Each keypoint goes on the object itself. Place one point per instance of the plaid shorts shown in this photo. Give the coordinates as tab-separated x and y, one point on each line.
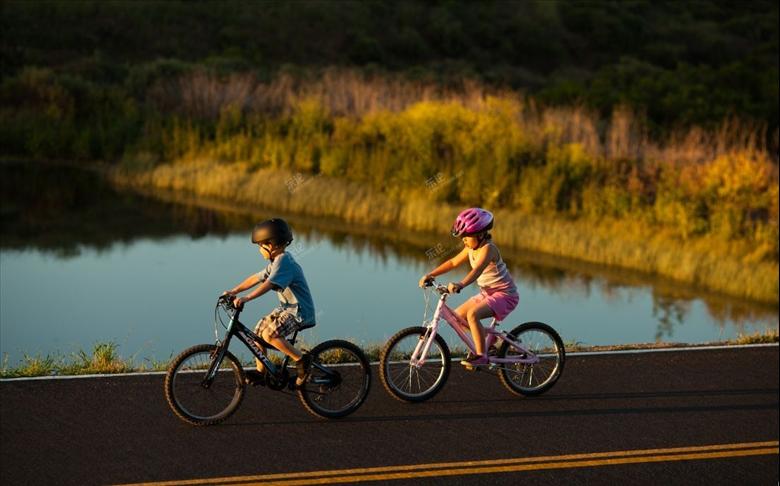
280	322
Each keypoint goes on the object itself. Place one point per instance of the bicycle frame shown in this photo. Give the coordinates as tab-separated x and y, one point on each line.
250	340
461	328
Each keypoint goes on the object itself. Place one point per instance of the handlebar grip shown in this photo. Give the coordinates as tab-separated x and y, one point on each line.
228	299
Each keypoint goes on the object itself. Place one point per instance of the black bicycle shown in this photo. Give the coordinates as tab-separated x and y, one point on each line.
205	384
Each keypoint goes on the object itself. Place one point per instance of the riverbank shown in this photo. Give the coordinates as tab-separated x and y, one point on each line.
104	359
733	268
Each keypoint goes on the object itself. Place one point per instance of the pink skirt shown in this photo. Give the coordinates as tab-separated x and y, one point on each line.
500	302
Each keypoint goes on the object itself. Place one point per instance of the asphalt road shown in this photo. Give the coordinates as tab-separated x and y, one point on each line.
694	417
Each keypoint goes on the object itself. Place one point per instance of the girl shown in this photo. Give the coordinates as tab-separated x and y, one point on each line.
498	293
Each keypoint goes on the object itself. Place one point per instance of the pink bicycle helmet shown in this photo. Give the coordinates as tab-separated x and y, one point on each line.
472	221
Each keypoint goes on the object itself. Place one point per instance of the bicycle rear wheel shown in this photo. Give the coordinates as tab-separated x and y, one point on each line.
410	383
338	381
196	403
533	379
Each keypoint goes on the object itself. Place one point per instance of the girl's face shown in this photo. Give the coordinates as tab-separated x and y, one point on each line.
470	242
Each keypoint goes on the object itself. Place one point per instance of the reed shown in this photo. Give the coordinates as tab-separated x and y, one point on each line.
471	146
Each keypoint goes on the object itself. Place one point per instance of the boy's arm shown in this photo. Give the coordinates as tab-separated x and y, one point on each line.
248	283
263	288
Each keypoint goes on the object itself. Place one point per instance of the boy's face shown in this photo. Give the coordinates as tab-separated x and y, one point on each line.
266	249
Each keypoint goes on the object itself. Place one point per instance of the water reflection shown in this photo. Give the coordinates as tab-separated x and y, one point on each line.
63	211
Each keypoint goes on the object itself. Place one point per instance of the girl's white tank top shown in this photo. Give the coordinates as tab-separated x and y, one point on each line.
495	276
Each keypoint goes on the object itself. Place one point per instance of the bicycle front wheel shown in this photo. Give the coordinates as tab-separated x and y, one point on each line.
419	382
533	379
195	401
338	382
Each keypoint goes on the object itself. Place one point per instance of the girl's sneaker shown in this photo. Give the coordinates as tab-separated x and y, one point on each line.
475	360
492	351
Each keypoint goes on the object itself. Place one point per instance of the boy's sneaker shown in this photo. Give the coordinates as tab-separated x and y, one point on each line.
475	360
255	378
303	366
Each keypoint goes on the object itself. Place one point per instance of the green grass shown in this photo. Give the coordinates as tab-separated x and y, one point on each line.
104	358
756	338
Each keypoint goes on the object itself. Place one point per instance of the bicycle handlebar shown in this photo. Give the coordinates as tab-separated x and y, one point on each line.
227	301
441	289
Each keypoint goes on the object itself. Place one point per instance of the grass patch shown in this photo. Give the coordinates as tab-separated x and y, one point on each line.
769	336
104	358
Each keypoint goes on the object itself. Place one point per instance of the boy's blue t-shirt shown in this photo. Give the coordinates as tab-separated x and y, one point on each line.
287	278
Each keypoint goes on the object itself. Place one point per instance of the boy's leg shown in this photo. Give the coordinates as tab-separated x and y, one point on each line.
474	315
260	331
259	364
281	344
302	362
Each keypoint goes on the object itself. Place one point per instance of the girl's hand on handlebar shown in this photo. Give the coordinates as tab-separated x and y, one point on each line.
425	281
454	287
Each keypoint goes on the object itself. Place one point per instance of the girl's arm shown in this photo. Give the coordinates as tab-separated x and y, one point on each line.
484	257
447	265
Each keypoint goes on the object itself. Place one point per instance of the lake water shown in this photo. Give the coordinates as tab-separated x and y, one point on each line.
83	263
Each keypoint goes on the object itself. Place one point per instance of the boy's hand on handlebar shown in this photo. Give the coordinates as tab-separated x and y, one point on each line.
238	302
454	287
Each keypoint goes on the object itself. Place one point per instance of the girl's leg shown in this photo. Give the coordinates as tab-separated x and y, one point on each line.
474	315
463	310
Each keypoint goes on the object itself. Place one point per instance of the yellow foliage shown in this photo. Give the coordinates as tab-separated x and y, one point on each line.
738	174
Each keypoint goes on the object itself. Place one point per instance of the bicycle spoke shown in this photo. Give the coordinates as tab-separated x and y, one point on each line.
413	382
199	402
343	381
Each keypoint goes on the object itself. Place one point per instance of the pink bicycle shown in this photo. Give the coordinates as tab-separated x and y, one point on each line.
415	363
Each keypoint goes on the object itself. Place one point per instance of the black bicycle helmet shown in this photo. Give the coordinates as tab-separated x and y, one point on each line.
274	230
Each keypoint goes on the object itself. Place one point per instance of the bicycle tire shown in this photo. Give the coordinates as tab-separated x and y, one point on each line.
195	404
394	362
325	397
552	360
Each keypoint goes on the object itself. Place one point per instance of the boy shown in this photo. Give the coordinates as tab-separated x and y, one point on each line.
296	308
